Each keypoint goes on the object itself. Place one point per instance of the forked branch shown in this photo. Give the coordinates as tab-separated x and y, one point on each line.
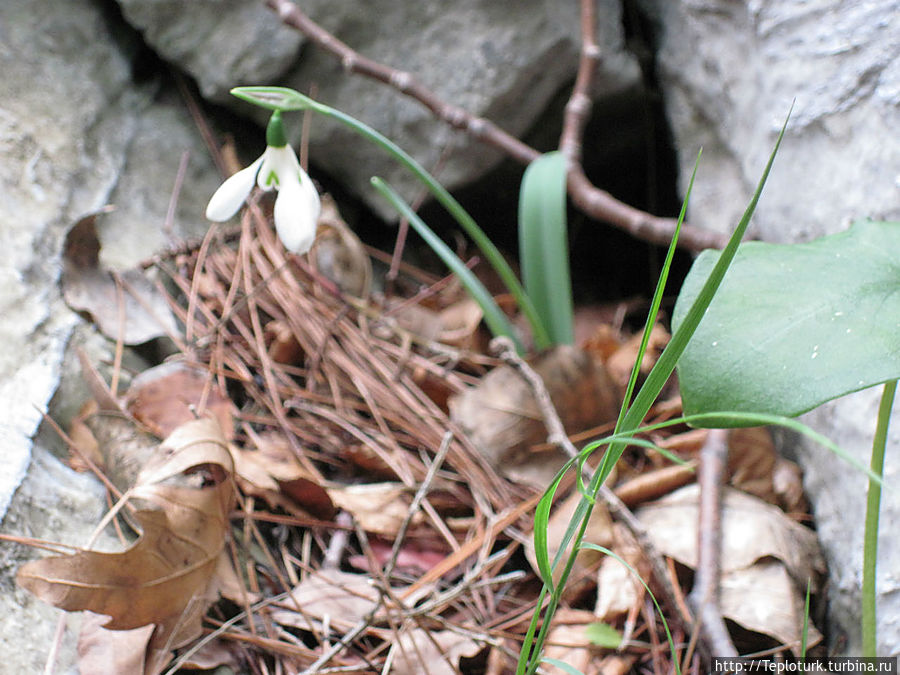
590	199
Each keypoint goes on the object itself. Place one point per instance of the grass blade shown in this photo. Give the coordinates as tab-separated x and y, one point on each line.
544	245
493	315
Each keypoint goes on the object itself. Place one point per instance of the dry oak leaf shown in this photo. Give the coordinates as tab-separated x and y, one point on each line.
751	530
166	574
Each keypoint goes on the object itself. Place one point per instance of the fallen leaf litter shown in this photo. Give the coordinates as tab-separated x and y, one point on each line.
322	401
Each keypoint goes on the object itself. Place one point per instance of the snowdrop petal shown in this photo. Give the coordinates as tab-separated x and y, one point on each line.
296	212
278	163
267	179
231	194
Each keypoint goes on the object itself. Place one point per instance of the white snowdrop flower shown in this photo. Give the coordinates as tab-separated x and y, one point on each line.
297	205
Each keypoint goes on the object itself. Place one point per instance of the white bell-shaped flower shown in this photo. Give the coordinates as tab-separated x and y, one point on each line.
297	205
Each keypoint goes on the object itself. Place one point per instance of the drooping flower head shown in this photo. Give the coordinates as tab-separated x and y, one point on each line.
297	205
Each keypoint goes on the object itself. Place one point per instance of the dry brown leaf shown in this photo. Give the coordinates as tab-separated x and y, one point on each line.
107	652
379	508
621	362
167	396
87	287
459	324
501	416
568	641
433	652
767	558
165	576
282	484
764	599
751	530
332	596
618	589
787	481
751	462
329	594
339	255
614	664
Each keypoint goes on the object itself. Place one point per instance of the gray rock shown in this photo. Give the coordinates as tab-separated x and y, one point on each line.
66	123
478	54
53	504
221	43
76	134
729	73
499	64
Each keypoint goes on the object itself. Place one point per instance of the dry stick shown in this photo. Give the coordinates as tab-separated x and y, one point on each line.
578	108
504	347
417	501
704	597
593	201
358	629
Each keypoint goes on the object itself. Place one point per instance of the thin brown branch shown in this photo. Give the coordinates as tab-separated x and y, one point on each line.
578	108
593	201
704	597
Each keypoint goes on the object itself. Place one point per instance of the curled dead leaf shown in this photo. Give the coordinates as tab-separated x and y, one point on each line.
167	396
434	652
751	530
129	306
767	558
166	576
338	254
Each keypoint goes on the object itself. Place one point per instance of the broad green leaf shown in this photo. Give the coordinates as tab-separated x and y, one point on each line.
544	245
794	326
603	635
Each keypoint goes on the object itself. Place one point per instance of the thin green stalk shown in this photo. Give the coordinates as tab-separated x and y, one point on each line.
804	633
873	506
657	298
493	315
283	98
647	394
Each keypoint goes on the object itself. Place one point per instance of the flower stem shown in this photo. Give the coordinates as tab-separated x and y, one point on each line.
873	506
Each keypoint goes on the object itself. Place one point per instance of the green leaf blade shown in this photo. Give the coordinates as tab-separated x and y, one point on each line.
493	315
544	247
794	326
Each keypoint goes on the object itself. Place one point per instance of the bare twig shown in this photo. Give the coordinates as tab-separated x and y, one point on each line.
421	493
578	108
704	597
593	201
